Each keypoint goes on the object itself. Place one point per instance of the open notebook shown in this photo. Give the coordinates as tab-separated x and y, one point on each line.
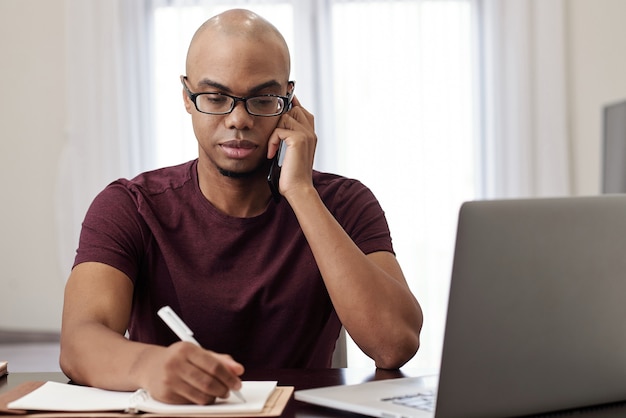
54	396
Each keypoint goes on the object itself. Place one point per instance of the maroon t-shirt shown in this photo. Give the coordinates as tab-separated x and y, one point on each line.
248	287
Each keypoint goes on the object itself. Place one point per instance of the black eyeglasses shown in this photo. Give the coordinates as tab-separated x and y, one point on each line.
223	104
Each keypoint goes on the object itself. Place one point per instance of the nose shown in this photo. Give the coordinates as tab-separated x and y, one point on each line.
239	118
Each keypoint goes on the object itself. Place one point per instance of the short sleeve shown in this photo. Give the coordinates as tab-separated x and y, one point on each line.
358	211
113	232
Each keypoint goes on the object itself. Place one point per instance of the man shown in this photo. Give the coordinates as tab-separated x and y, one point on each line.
261	283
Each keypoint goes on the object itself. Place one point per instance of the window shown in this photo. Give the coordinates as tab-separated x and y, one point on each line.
405	127
400	84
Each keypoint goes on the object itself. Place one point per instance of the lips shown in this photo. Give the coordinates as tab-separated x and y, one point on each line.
238	149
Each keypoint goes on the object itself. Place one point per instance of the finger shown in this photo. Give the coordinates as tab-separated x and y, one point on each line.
223	372
235	367
273	144
302	115
281	132
197	375
188	393
203	386
228	371
295	101
194	385
181	383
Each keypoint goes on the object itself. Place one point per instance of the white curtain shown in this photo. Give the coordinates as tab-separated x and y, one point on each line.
109	106
527	151
403	89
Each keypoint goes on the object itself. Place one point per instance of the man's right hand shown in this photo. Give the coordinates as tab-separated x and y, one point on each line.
186	373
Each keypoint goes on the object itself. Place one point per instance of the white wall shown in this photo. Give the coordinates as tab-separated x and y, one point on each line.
32	117
32	120
597	76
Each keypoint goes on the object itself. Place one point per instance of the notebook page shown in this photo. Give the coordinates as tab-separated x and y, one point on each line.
55	396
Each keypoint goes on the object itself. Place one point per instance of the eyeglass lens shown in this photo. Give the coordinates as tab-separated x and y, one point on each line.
220	103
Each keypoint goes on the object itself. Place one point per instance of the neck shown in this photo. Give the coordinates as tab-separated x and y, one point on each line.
235	194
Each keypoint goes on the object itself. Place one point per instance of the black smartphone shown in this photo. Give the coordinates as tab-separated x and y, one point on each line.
274	175
277	163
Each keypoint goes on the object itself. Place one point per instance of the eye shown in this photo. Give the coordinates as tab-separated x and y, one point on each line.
215	99
265	101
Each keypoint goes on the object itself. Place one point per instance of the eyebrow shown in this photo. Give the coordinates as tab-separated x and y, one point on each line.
210	83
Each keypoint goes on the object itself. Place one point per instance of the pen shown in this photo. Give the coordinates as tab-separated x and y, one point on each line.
183	332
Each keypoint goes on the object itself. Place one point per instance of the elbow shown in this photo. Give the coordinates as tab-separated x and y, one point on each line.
403	344
402	347
68	362
65	363
67	370
396	356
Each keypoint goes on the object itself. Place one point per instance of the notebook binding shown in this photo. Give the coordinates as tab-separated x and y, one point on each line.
135	400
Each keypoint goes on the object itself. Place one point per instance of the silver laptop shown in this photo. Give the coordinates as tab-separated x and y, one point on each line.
536	317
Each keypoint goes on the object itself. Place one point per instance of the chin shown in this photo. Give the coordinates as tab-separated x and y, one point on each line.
236	174
243	173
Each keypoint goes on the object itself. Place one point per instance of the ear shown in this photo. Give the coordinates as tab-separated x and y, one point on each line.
291	85
189	106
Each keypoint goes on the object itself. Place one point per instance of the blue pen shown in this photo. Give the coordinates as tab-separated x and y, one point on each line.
183	332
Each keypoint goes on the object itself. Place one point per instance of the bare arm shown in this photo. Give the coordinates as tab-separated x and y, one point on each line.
369	292
95	352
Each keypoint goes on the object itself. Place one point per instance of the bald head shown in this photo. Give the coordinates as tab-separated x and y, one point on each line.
241	25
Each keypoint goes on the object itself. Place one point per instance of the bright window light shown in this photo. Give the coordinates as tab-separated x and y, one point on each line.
403	73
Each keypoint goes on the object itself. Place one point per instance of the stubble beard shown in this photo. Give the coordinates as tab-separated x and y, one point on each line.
244	174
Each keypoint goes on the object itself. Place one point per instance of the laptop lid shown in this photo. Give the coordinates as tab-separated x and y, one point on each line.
536	315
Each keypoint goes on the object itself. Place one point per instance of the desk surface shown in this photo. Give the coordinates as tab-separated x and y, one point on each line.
299	378
311	378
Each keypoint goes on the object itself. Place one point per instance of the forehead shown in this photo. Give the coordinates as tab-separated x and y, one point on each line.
238	61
